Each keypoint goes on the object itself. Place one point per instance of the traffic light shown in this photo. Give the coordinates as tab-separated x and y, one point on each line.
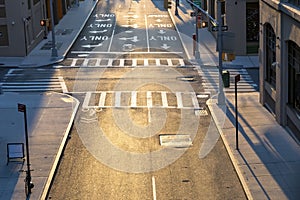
169	4
44	22
204	24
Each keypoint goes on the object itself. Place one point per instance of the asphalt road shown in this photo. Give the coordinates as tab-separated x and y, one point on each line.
142	131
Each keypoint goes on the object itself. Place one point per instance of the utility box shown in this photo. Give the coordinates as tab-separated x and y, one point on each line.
226	78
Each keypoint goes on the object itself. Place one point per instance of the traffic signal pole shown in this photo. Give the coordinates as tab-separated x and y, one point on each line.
54	50
221	96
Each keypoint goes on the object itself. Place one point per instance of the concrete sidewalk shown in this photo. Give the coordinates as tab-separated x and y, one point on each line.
268	159
49	119
66	31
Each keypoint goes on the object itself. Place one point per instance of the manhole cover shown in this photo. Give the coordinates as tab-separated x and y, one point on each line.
176	141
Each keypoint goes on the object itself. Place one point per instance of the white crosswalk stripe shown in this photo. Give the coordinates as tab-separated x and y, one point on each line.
40	80
177	100
210	80
134	62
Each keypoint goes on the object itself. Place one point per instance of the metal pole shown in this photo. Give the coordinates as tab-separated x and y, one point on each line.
27	151
197	35
54	50
221	96
176	7
236	118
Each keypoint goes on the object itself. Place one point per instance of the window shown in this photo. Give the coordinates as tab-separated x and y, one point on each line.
3	35
294	75
295	2
252	27
270	39
2	9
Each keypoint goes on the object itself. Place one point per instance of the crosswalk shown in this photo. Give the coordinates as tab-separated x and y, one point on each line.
145	99
32	80
210	80
110	62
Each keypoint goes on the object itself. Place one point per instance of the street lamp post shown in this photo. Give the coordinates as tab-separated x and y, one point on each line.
54	50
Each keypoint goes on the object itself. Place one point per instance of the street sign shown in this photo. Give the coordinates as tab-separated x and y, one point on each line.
197	2
237	78
21	107
216	28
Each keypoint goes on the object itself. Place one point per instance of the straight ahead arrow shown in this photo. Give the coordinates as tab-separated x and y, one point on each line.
161	31
165	46
91	45
102	20
103	31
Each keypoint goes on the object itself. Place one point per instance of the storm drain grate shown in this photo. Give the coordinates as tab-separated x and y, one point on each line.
176	141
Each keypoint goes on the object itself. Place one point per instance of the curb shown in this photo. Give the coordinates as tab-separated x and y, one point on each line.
60	150
210	104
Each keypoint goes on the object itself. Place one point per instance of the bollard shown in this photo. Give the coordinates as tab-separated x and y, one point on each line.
194	43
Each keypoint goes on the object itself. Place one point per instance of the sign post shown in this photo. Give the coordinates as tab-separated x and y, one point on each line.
237	78
22	108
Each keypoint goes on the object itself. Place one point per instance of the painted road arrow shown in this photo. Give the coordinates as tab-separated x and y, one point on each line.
103	31
102	20
165	46
132	16
133	39
133	26
161	31
91	45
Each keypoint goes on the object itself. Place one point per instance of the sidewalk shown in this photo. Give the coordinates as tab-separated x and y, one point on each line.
268	159
49	119
49	115
66	34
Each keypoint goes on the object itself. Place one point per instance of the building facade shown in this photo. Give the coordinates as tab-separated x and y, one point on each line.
242	20
20	29
280	61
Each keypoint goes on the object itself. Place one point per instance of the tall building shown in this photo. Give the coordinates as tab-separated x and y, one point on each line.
242	20
20	29
280	61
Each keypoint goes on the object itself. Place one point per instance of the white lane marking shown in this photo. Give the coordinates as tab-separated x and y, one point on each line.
164	99
153	188
146	63
85	62
74	62
112	36
63	84
147	33
122	61
194	100
169	62
149	104
133	98
149	99
86	100
157	62
118	99
102	99
110	62
98	62
134	62
122	52
179	100
181	62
